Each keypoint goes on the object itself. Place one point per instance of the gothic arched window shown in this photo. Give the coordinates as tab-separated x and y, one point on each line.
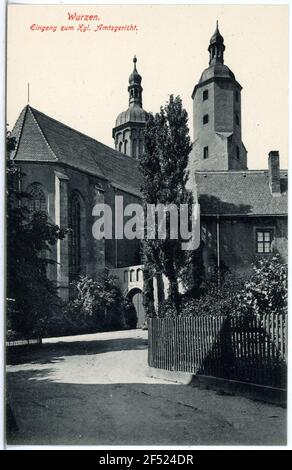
125	146
75	245
37	201
120	146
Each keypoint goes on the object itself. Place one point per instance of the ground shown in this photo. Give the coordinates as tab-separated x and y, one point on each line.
94	390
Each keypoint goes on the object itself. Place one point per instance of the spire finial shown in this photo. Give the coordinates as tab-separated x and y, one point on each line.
216	47
27	92
134	88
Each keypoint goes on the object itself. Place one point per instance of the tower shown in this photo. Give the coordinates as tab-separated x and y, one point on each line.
217	115
128	132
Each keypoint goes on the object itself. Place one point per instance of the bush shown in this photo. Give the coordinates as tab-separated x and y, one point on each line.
267	289
215	299
167	309
67	321
100	305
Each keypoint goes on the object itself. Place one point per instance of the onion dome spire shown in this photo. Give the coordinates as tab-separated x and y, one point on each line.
216	47
135	89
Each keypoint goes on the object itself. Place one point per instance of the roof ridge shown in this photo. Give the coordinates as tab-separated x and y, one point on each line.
42	132
118	154
71	129
65	125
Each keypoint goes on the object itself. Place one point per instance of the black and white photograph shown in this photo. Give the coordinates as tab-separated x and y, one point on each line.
146	236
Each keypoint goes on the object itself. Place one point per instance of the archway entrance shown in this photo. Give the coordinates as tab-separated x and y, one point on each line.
135	295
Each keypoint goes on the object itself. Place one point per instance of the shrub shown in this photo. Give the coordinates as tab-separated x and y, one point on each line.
166	309
100	305
68	321
267	289
215	299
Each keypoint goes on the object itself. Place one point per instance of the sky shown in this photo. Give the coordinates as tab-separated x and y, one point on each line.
81	77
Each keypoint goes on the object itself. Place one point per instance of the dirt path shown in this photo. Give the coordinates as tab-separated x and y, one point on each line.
93	389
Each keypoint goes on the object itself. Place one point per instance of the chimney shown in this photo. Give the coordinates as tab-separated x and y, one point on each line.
274	173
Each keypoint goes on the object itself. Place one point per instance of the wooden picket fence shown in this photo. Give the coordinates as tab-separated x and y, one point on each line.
249	349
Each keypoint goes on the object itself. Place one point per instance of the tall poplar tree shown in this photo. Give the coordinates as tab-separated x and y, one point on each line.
164	169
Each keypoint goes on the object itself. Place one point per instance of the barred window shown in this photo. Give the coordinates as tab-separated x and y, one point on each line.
263	241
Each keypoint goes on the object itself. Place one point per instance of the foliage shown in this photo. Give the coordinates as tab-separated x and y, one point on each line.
30	237
214	299
267	289
265	292
100	305
164	169
166	309
148	292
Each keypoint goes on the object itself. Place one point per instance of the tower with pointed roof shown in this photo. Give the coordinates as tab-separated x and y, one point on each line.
217	115
128	132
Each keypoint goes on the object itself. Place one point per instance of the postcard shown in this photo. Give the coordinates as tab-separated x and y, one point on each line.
147	214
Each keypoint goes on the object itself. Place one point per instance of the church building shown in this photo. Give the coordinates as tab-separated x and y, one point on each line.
243	212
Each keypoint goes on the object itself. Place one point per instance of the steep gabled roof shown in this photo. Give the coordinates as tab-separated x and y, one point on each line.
30	140
240	193
42	138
